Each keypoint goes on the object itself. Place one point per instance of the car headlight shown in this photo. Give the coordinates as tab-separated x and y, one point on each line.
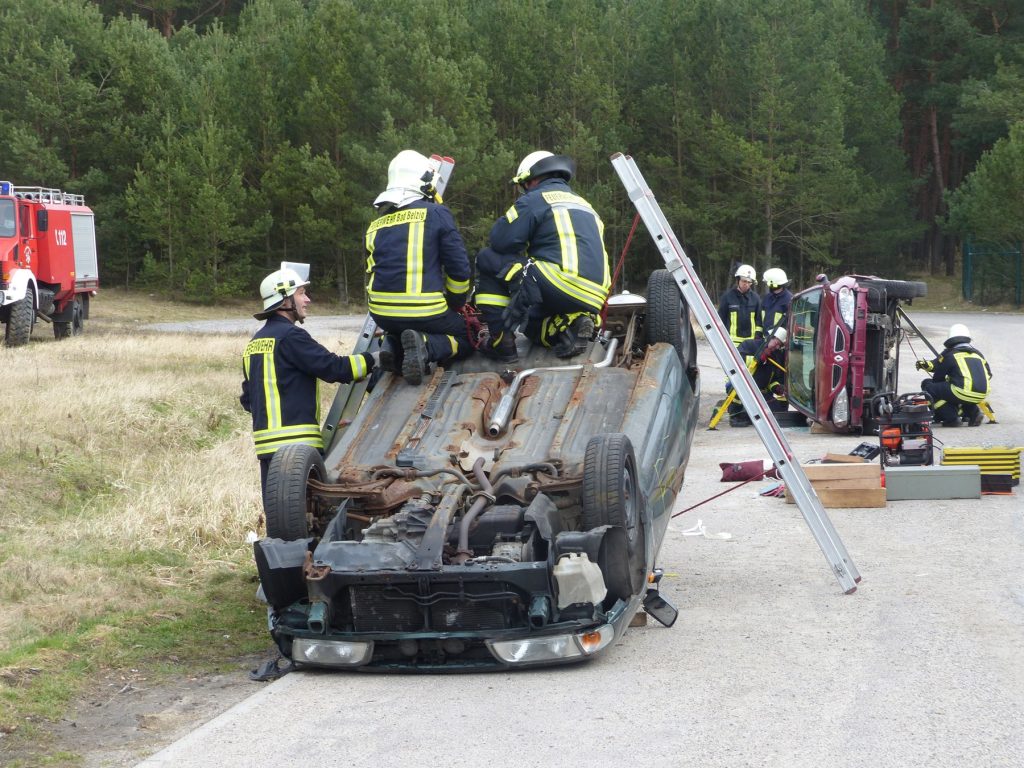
841	409
537	650
331	653
847	301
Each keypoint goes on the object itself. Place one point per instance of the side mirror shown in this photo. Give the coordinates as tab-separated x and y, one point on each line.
42	220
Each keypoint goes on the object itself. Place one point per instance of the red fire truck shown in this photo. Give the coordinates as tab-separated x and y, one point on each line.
48	265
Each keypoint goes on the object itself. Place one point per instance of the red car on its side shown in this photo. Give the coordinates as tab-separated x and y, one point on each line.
844	348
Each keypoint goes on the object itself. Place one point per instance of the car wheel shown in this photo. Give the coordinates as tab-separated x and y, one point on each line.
612	496
881	290
285	501
668	317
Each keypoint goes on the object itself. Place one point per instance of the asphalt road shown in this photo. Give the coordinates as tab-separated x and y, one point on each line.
769	663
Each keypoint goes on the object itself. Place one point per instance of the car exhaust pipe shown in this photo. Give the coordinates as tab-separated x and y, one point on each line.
502	414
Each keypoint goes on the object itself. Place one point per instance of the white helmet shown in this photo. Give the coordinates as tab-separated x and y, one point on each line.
775	278
747	273
410	178
780	334
275	288
958	334
541	162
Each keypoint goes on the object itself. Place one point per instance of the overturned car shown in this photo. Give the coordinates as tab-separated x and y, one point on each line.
488	519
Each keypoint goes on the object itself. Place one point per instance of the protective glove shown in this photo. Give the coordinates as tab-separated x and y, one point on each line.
376	358
924	365
455	300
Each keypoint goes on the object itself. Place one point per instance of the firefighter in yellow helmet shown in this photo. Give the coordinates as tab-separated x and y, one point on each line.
282	368
418	272
960	379
545	271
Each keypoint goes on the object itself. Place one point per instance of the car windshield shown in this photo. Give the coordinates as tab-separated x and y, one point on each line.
800	359
6	218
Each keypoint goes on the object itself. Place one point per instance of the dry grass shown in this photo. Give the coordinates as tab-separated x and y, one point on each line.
129	484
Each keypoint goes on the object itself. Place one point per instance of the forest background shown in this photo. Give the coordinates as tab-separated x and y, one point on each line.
216	138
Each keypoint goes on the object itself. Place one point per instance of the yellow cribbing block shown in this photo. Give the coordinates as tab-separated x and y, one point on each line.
992	461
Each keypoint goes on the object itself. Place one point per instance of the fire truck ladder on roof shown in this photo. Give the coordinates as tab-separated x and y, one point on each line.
681	268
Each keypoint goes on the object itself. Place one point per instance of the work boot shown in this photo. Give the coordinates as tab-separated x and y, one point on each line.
973	416
415	359
387	353
573	341
504	351
951	423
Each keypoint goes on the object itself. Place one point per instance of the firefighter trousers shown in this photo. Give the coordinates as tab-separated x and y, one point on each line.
445	335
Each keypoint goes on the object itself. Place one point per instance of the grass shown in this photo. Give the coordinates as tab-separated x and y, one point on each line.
129	485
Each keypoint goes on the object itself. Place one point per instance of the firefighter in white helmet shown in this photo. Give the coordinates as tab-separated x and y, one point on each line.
419	272
776	299
960	379
282	366
740	307
545	271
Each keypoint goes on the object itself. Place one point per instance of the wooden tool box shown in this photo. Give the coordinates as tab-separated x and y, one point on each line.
846	484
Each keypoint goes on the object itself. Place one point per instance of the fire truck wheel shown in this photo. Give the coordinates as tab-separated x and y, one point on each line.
286	502
668	317
20	321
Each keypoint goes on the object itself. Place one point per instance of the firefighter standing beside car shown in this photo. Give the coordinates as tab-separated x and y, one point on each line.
418	272
740	307
282	367
776	300
546	269
960	379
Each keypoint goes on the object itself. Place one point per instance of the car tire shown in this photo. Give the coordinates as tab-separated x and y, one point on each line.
612	496
668	317
285	500
880	290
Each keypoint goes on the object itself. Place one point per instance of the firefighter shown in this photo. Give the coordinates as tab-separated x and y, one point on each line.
740	307
776	300
960	379
768	374
546	270
282	367
418	272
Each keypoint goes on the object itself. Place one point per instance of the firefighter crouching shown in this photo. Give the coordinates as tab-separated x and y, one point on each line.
769	374
960	380
546	271
282	368
418	272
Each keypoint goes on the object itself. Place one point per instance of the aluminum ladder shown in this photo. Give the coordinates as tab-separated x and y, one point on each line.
761	417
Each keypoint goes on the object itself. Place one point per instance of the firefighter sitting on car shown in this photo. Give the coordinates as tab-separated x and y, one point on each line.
418	272
740	307
546	270
960	380
282	366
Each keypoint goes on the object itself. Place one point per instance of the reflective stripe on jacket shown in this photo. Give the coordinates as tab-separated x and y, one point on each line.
967	372
563	235
414	255
282	367
741	314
